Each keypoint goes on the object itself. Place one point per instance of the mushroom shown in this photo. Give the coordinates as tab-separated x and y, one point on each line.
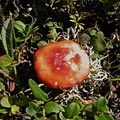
62	64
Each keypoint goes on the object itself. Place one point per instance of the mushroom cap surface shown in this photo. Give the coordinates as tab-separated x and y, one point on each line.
62	64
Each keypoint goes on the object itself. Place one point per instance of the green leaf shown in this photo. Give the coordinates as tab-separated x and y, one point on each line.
19	25
106	117
7	37
49	24
53	31
34	29
84	38
22	103
51	36
81	26
94	55
5	60
98	42
22	96
38	117
100	34
109	46
41	43
19	39
116	79
5	69
52	107
72	110
14	64
14	109
53	117
93	32
29	28
97	117
79	103
3	110
33	105
38	93
61	116
103	117
25	100
88	108
77	118
73	21
1	85
99	45
101	105
104	1
6	102
1	96
73	17
32	109
35	38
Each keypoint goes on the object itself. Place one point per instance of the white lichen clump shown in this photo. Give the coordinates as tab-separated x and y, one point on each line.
71	32
97	73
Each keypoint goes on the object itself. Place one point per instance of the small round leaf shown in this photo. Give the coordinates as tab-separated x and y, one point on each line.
14	109
93	32
5	60
106	117
6	102
72	110
1	85
101	104
88	108
41	43
52	107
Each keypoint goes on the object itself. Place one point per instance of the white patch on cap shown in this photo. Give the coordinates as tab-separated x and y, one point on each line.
58	68
69	56
71	79
56	83
57	53
69	62
74	67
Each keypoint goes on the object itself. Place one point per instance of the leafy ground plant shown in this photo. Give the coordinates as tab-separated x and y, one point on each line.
92	23
39	108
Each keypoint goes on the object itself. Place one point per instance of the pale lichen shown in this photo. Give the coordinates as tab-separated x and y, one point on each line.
71	33
97	73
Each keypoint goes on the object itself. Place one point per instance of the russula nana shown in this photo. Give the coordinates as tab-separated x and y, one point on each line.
62	64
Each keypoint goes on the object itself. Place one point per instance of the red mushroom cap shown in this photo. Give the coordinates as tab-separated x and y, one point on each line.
62	64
